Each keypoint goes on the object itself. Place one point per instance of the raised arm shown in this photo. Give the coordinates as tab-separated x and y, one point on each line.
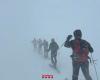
68	42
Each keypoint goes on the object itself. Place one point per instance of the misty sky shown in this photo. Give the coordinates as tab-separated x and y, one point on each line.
22	20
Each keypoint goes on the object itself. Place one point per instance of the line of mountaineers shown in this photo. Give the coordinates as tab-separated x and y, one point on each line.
44	47
80	52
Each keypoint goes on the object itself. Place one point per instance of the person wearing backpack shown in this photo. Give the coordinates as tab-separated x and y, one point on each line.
53	47
80	51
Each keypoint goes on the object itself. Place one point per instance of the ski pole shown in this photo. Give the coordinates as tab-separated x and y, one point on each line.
62	45
94	67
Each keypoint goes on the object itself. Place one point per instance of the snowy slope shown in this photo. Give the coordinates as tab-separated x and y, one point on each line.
64	64
22	63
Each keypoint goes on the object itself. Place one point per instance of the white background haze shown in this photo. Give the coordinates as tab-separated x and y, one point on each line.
22	20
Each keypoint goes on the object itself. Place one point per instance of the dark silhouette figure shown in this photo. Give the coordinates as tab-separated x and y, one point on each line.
34	44
45	47
40	46
53	47
81	49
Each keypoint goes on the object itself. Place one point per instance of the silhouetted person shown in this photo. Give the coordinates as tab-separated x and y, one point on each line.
39	46
34	44
81	49
45	47
53	47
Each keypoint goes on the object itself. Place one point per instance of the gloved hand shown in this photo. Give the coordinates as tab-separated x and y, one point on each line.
69	37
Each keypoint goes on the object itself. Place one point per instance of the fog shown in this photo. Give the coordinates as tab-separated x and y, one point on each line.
23	20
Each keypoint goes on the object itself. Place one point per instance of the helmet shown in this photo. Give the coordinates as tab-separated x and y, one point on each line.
78	33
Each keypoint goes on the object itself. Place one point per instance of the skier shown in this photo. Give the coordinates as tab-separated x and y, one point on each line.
39	46
34	44
45	47
53	47
81	49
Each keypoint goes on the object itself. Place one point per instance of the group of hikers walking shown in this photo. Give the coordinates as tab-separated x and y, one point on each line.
80	51
43	47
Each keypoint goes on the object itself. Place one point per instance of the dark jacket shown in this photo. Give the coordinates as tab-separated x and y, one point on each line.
53	47
80	48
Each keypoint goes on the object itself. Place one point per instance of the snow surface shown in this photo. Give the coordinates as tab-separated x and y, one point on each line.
22	63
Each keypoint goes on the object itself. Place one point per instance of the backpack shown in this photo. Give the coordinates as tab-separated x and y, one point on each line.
80	51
